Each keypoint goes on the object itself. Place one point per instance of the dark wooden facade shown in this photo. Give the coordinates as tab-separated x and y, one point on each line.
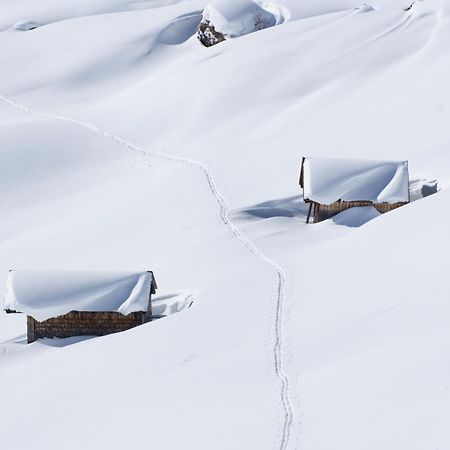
84	323
319	211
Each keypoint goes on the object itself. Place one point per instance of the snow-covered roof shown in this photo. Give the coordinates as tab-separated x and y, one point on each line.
46	294
237	17
327	180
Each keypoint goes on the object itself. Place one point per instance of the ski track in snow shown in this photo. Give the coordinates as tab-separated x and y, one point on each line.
225	218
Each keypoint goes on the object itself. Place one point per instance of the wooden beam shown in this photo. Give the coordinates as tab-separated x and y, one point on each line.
31	330
309	213
300	181
316	212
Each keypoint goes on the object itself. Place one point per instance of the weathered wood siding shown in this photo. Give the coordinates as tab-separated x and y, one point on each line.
328	211
83	323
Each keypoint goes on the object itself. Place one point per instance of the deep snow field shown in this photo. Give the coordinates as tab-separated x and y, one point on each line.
127	145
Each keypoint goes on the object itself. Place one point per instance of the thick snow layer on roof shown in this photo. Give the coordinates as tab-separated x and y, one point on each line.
237	17
362	355
43	294
331	179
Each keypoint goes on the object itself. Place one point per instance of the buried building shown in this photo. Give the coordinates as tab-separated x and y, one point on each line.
229	19
332	185
80	303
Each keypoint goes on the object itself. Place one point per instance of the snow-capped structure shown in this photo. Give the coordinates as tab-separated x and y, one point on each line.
124	142
65	303
26	25
332	185
224	19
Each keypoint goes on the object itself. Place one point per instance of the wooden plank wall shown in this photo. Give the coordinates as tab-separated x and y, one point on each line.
83	323
328	211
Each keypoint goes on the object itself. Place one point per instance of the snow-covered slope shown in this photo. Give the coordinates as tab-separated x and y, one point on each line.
126	145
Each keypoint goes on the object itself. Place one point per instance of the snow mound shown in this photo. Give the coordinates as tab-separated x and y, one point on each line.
421	188
25	25
43	294
364	9
224	19
328	180
165	305
356	217
180	30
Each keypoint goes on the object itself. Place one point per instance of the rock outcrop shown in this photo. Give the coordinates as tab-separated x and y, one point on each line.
208	35
227	19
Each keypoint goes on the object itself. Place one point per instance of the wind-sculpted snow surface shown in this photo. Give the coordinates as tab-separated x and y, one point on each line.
139	148
134	301
25	25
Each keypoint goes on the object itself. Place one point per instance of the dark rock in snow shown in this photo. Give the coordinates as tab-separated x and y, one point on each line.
208	35
227	19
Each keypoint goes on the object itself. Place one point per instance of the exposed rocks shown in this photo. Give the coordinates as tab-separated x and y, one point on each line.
208	35
228	19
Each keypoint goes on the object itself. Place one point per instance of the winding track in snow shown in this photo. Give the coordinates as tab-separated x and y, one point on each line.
225	217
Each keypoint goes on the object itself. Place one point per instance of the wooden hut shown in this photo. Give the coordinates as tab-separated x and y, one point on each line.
334	185
64	304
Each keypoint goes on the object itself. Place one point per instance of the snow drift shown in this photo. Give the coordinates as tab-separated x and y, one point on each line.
106	180
25	25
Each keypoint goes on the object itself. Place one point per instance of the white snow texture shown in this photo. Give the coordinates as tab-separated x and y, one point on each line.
126	144
233	18
42	294
327	180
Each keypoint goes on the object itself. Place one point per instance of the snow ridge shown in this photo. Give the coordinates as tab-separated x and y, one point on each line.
225	218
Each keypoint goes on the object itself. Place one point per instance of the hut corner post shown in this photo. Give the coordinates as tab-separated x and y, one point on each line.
148	314
311	203
31	332
316	212
309	212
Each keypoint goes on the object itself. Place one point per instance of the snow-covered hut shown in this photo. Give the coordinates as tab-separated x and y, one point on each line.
331	185
80	303
228	19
